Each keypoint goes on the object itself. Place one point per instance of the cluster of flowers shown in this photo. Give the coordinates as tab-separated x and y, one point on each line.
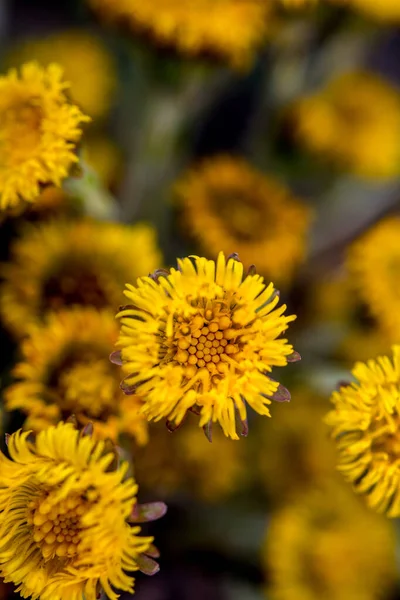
196	341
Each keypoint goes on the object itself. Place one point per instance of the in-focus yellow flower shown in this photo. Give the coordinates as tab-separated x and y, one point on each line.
381	10
365	425
183	462
326	544
63	264
39	130
231	30
65	370
230	205
204	337
298	441
374	265
86	62
64	530
354	122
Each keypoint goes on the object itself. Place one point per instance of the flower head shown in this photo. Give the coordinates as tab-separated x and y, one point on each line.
325	544
384	10
183	463
365	424
64	511
354	123
65	264
231	30
39	130
86	63
373	263
65	370
203	337
228	204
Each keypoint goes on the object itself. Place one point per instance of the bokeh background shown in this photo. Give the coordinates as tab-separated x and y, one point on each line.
286	159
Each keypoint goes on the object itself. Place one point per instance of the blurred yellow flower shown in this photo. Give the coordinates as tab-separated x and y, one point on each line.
39	130
86	62
229	205
353	122
184	462
365	425
203	337
65	369
63	264
381	10
374	262
231	30
327	545
295	451
64	530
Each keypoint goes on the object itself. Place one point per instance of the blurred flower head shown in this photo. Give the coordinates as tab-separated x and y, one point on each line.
374	265
86	63
230	30
184	462
229	205
203	337
327	545
365	425
382	10
39	130
354	122
65	370
62	264
64	511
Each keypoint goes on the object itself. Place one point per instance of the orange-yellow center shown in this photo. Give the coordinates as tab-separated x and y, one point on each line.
20	132
57	527
208	341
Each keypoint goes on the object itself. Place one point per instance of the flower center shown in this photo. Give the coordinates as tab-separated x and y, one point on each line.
72	285
57	527
208	341
88	386
20	133
242	212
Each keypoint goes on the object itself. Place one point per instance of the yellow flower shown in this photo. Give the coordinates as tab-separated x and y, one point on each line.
299	444
183	462
373	263
39	130
63	264
355	123
86	62
365	425
64	529
65	370
231	30
327	545
227	204
203	337
381	10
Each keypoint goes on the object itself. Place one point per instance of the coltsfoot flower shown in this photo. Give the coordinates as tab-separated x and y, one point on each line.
204	337
231	30
64	530
86	63
366	426
326	544
64	264
373	262
353	123
226	204
65	370
39	131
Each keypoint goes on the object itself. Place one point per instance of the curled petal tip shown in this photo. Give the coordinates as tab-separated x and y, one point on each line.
150	511
147	565
294	357
281	395
115	358
208	430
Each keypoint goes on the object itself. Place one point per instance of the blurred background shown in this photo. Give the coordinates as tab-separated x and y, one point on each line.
273	132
